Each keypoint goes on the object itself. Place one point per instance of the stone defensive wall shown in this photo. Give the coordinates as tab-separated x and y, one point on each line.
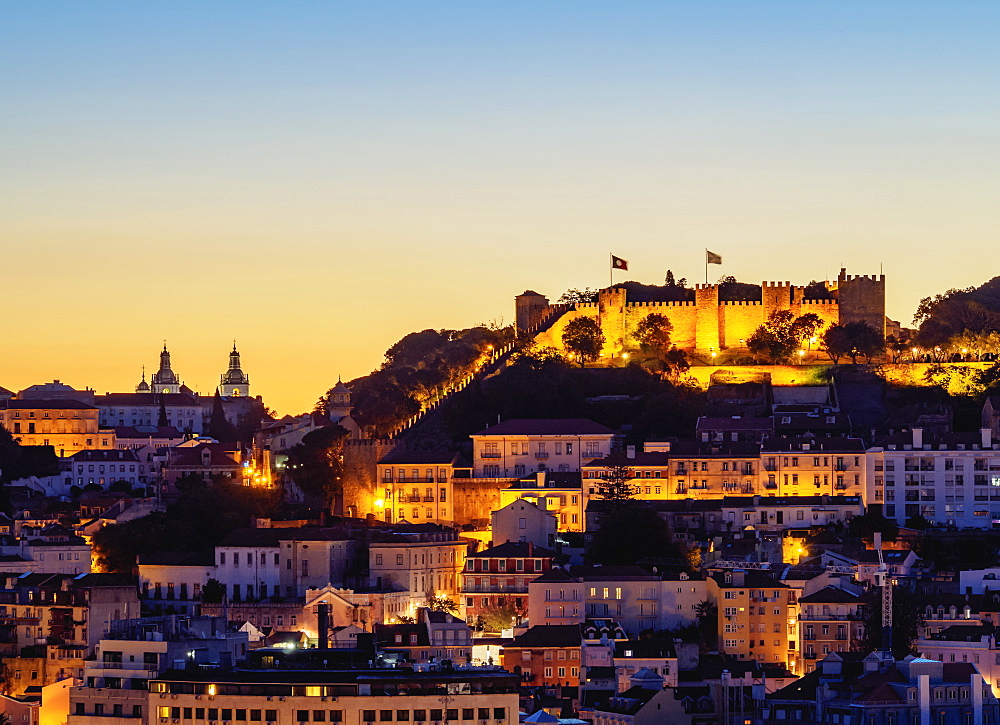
703	324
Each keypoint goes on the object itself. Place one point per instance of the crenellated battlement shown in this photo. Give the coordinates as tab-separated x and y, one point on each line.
664	303
706	322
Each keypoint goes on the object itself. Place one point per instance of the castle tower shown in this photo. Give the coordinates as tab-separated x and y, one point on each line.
143	386
339	403
707	313
234	382
165	380
529	309
862	299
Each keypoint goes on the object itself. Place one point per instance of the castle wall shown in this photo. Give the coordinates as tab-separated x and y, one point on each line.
862	298
708	324
360	474
682	316
738	321
475	499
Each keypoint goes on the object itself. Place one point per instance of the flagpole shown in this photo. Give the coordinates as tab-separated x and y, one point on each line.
706	265
611	272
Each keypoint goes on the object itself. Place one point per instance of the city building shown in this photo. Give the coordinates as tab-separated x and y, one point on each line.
546	656
424	560
520	446
755	611
234	383
180	410
500	576
850	687
812	465
347	697
951	479
69	426
830	620
417	486
522	520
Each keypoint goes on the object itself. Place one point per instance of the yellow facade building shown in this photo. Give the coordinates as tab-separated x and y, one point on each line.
68	426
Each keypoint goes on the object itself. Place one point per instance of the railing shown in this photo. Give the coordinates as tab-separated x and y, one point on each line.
840	467
771	467
489	454
428	499
414	479
541	454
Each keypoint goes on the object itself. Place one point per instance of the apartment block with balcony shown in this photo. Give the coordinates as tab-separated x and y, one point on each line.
808	465
830	620
501	574
951	479
521	446
424	560
558	494
757	616
546	656
417	486
707	469
556	597
114	689
480	696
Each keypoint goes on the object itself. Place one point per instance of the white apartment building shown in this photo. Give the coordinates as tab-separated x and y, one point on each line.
951	479
520	446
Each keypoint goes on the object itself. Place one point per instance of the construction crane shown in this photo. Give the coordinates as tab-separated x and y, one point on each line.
883	580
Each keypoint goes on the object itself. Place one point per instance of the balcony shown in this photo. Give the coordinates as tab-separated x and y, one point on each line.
771	467
428	499
490	454
541	454
840	466
415	479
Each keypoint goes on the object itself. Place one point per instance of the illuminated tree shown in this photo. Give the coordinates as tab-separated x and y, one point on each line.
653	333
578	296
584	338
782	333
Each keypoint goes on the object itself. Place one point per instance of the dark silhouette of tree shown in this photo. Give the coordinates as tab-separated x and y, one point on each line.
629	533
616	480
162	419
897	347
854	340
707	615
213	592
816	291
865	526
578	296
219	426
906	620
316	464
584	338
669	281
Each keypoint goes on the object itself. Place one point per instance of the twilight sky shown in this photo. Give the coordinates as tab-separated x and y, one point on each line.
318	179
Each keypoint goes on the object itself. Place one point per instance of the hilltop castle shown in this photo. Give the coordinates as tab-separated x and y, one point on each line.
703	322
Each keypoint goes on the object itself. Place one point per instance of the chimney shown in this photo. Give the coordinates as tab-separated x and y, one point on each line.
986	438
918	439
540	479
531	548
976	690
924	698
323	626
630	452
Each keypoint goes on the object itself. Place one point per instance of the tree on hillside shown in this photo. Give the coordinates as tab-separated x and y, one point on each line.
816	291
853	339
584	338
578	296
315	464
897	347
498	617
653	334
906	620
782	333
631	532
219	426
669	281
616	480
